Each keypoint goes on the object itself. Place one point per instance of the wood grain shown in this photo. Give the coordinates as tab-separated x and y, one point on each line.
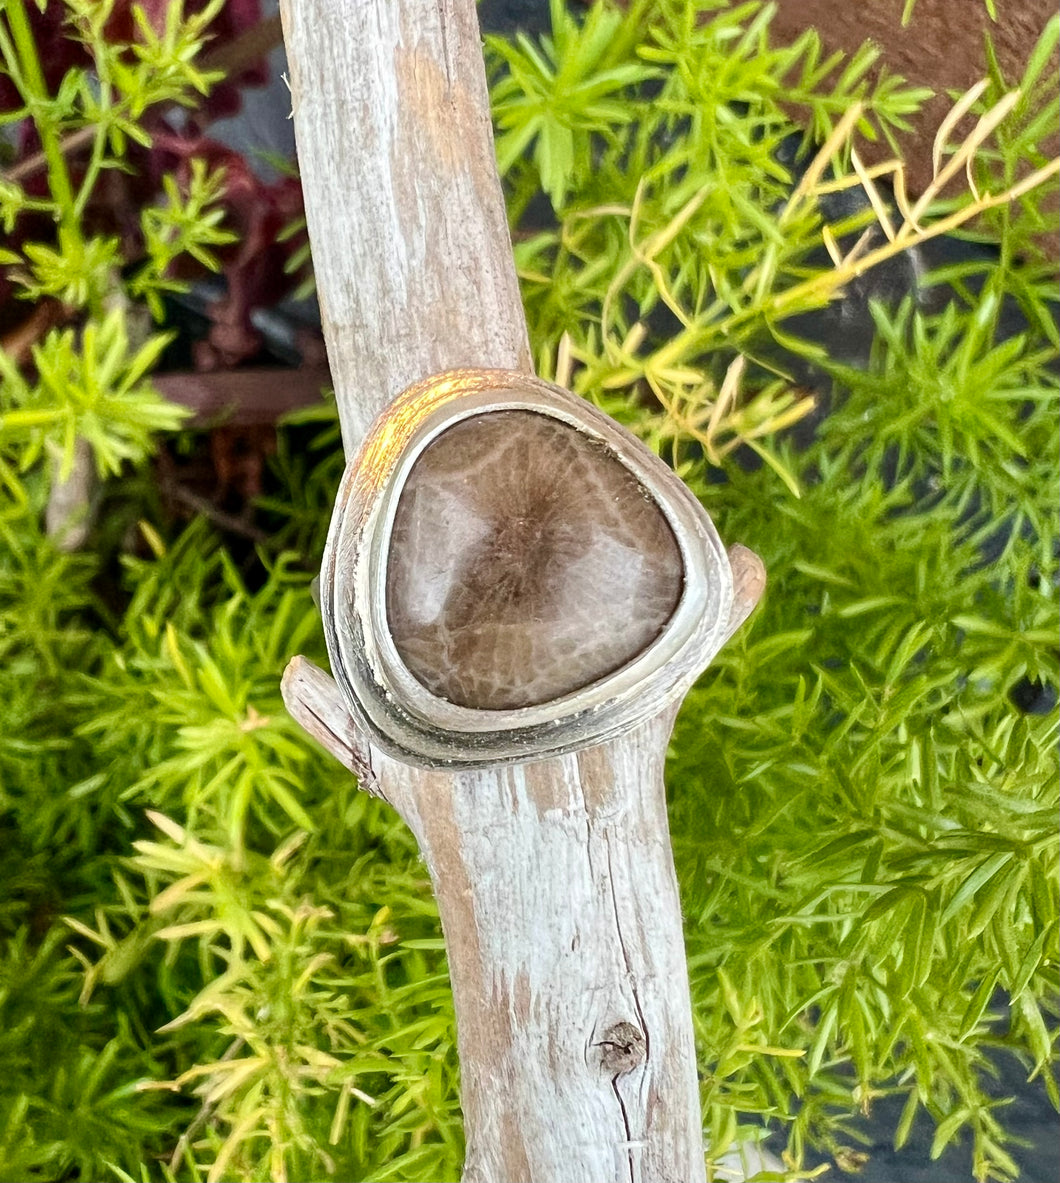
406	219
560	909
554	877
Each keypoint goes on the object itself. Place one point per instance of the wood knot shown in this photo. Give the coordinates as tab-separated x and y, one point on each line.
622	1048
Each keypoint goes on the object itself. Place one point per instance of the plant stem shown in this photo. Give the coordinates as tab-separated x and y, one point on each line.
95	163
35	94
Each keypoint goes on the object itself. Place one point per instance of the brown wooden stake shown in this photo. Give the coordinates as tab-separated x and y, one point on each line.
542	820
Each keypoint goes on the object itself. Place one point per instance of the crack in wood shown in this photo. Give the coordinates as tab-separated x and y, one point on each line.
629	1144
626	958
631	979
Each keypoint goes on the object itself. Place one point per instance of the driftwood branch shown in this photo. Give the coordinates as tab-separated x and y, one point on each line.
550	858
560	910
406	218
314	702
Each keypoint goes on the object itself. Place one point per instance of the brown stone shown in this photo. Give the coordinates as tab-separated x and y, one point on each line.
526	562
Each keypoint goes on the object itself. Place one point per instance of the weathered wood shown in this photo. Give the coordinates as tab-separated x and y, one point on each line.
554	876
411	252
559	905
748	584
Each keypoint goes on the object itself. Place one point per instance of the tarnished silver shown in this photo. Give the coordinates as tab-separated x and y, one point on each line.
401	715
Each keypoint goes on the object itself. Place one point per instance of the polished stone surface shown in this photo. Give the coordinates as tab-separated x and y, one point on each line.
526	561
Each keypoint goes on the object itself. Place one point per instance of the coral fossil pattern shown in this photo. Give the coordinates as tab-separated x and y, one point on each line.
526	562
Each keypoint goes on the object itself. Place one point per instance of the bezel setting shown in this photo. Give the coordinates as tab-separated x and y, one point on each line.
400	714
